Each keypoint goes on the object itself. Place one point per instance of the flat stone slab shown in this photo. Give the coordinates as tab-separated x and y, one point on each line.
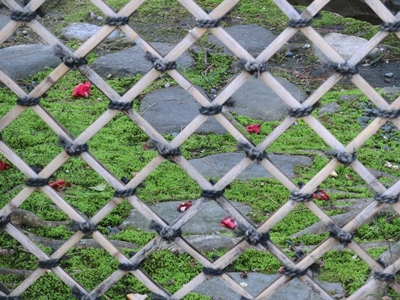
206	221
169	110
131	61
19	62
253	38
257	282
84	31
218	165
256	100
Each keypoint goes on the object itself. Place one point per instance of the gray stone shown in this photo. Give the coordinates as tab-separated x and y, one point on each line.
218	165
84	31
256	100
390	91
253	38
3	22
171	109
345	45
206	221
131	61
19	62
347	97
257	282
329	108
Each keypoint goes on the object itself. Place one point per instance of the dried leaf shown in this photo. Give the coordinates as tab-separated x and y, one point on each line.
59	184
349	177
334	174
4	166
101	187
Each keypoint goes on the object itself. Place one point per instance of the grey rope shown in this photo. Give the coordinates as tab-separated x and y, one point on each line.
86	227
252	67
120	105
71	148
164	150
252	152
78	294
300	197
386	199
23	16
10	298
391	26
49	264
345	69
301	112
210	110
213	272
117	21
299	23
343	157
128	266
28	101
383	276
70	61
388	113
37	182
342	236
167	233
252	236
208	23
293	272
212	194
124	193
159	64
4	221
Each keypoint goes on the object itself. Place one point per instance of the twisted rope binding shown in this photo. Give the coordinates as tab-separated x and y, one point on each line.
345	69
343	157
388	114
120	105
383	276
213	272
300	197
4	220
342	236
23	16
252	152
210	110
164	150
211	194
252	67
28	101
301	112
37	182
71	148
299	23
386	199
128	266
117	21
10	298
208	23
293	272
49	264
167	233
391	26
252	236
86	227
70	61
78	294
159	64
124	193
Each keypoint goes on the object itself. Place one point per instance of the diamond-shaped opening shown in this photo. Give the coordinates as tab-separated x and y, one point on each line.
48	285
129	284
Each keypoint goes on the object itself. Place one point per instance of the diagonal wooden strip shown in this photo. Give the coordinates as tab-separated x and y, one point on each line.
8	30
380	9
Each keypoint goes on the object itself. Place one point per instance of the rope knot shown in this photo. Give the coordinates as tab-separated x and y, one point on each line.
343	157
167	233
210	110
213	272
342	236
4	220
28	101
71	148
23	16
10	298
383	276
212	23
252	152
49	264
117	21
120	105
293	272
69	60
165	151
159	64
391	26
386	199
300	197
345	69
299	23
86	227
252	67
78	294
301	112
128	266
252	236
37	182
211	194
124	193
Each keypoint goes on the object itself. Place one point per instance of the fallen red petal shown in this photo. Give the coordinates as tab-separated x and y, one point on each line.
82	90
4	166
254	128
280	271
59	184
228	222
184	206
321	195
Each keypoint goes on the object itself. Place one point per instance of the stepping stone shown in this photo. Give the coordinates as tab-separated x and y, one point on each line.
257	282
217	165
253	38
84	31
169	110
130	62
345	45
205	222
3	22
329	108
20	62
256	100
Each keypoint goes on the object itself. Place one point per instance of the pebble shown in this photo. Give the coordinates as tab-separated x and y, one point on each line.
213	91
99	18
306	46
389	75
387	80
289	54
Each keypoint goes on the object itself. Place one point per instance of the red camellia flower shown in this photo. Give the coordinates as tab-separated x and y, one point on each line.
228	222
82	90
321	195
4	166
254	128
59	184
184	206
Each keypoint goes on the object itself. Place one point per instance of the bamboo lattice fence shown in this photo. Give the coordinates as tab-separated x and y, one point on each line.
75	146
